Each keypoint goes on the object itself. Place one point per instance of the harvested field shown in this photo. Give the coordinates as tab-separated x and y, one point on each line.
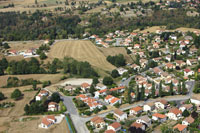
82	51
54	78
115	51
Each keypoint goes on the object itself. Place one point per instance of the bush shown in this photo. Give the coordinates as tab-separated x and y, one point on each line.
2	96
16	94
107	81
115	73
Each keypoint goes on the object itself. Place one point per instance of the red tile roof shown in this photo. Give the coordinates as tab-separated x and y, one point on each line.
117	88
180	127
137	109
159	115
115	125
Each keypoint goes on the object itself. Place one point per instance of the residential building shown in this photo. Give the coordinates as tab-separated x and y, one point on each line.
161	104
188	120
135	110
97	122
181	128
159	117
149	107
120	115
116	126
174	114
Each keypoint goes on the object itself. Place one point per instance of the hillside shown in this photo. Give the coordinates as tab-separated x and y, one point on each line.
82	51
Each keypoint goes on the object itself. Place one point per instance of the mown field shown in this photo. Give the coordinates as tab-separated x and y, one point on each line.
82	51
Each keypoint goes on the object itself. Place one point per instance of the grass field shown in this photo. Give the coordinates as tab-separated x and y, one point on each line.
82	51
115	51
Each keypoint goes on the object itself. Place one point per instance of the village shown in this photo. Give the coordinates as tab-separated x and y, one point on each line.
167	68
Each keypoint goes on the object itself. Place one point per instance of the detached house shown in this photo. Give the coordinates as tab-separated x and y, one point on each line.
138	125
188	120
190	62
116	126
144	120
48	121
161	104
188	72
180	63
43	93
174	114
188	107
159	117
85	87
97	122
135	110
120	115
180	128
149	107
53	106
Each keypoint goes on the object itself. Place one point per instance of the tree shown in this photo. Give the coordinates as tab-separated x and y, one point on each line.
92	89
137	96
179	88
160	89
171	89
115	73
16	94
34	85
185	113
184	89
1	71
95	81
2	96
6	46
153	92
142	93
43	56
66	2
107	81
36	2
55	97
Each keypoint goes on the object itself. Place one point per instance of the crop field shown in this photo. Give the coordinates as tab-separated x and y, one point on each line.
82	51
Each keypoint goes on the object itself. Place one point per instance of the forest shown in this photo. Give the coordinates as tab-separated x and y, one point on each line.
42	25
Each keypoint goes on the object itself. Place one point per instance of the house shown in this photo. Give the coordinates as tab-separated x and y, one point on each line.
155	45
190	62
173	37
85	87
161	104
69	88
188	72
121	71
108	98
138	125
81	97
42	93
53	106
169	66
109	131
149	107
97	122
135	110
174	114
181	128
118	89
180	63
135	67
116	126
188	107
144	120
188	120
168	58
100	86
114	101
132	95
136	46
159	117
48	121
100	93
157	70
143	63
120	115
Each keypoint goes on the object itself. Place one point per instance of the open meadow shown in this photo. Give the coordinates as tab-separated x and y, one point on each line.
81	51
